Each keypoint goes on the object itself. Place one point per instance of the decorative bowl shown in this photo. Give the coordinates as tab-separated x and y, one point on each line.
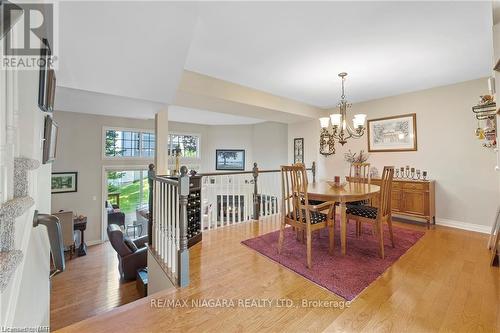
336	185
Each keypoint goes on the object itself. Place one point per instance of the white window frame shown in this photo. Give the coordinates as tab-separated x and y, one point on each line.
126	129
190	160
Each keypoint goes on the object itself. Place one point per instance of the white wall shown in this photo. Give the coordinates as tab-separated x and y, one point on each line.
466	182
264	143
496	58
269	145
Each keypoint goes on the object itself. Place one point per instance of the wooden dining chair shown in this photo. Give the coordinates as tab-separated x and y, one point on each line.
377	216
360	173
298	213
67	231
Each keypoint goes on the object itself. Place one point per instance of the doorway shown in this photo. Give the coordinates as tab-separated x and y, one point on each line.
126	193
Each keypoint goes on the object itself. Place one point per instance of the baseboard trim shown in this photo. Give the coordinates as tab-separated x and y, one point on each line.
463	225
94	242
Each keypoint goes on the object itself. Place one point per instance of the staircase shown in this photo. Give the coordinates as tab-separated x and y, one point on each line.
10	258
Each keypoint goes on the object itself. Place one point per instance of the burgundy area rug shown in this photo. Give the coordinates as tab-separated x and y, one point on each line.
347	275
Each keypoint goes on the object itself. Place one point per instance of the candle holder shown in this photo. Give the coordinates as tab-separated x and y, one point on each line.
397	173
412	173
424	175
418	174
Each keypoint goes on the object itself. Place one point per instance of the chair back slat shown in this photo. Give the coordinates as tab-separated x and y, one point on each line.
360	173
386	191
294	186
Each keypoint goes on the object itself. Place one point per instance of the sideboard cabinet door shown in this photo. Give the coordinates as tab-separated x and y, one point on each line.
396	200
414	202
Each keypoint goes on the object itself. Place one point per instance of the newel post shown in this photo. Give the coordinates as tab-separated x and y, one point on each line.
256	201
313	169
151	177
183	255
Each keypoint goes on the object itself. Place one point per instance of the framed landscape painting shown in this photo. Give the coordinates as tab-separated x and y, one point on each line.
398	133
64	182
230	159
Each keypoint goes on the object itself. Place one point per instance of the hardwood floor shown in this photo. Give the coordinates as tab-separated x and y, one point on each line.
89	286
442	284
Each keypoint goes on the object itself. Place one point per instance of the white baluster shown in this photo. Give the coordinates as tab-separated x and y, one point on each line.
175	228
171	224
233	179
162	225
239	199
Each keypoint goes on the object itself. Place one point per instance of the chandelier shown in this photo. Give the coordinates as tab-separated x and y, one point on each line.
341	129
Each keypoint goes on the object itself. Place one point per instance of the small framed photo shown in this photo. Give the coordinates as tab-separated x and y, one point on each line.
64	182
397	133
298	150
230	159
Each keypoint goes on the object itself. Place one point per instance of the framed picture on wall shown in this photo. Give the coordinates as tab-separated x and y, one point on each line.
64	182
397	133
50	133
298	150
230	159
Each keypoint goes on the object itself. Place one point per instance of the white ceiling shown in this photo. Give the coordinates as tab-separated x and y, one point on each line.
195	116
126	58
296	49
124	48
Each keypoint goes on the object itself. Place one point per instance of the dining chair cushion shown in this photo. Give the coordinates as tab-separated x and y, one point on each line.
357	203
316	217
363	211
316	202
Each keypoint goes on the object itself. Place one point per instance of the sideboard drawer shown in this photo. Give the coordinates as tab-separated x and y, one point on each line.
414	186
396	185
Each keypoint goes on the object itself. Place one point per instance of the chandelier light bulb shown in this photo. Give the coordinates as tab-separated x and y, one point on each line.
359	120
336	119
324	122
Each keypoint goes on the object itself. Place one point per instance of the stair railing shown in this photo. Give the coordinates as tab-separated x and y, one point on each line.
238	196
168	224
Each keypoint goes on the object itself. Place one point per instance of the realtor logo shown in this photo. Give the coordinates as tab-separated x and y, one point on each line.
28	31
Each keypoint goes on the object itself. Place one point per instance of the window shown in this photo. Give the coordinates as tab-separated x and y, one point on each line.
188	144
148	144
129	143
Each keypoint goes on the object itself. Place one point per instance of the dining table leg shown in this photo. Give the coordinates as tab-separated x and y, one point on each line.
343	227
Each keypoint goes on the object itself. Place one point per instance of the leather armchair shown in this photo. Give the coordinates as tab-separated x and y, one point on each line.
115	217
131	257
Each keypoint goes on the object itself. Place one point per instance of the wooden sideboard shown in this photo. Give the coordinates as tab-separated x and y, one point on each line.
413	198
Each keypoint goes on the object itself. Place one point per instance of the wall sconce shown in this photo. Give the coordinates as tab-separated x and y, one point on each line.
326	140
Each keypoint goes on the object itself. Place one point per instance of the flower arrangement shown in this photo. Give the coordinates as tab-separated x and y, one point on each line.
354	158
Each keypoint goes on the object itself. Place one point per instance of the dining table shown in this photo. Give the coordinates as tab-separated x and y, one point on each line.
342	194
